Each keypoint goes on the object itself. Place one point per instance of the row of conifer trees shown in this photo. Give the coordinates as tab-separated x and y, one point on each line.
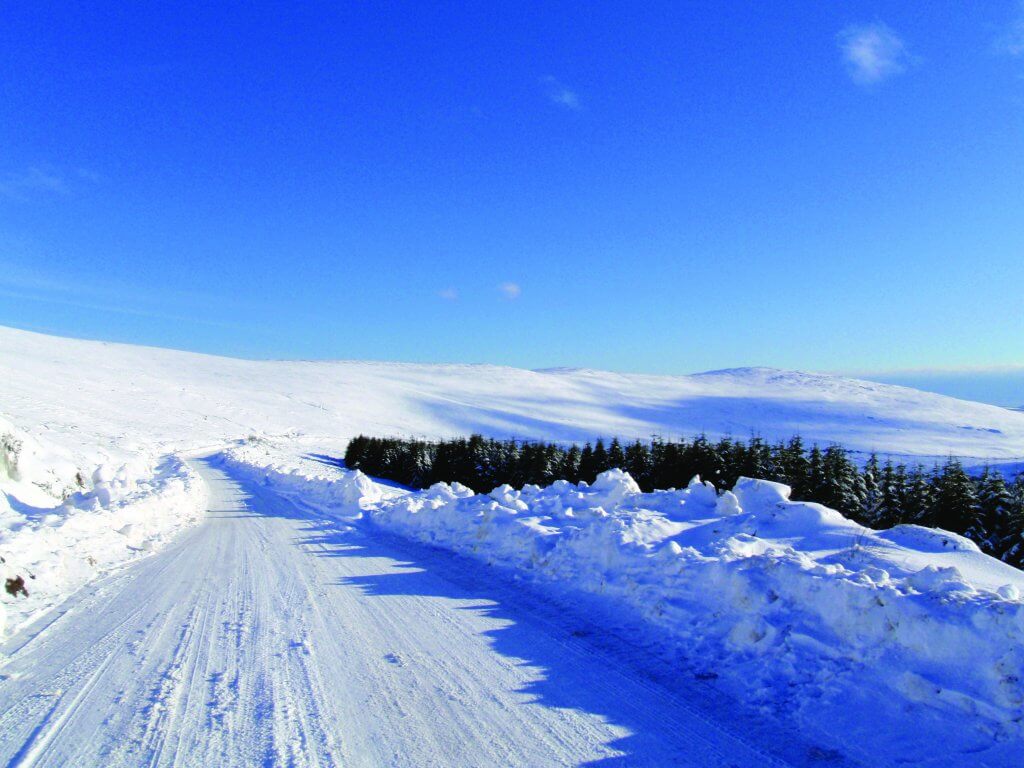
986	507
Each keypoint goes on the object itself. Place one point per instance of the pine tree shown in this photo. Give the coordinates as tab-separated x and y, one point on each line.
841	483
812	486
955	503
600	459
638	464
917	503
793	463
1012	546
757	461
995	503
587	466
571	464
666	458
616	456
871	503
702	458
892	491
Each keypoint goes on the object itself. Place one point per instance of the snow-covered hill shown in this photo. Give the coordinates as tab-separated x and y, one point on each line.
809	611
99	401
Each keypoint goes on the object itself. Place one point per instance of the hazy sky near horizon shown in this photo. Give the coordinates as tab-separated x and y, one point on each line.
666	188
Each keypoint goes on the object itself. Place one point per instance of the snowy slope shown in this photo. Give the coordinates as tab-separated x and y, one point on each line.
76	412
97	400
794	606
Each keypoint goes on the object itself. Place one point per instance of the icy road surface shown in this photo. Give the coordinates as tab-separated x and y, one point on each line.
264	636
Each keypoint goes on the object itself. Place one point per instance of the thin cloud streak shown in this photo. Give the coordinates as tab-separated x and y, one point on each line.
114	308
17	281
559	94
873	53
510	290
19	186
1011	43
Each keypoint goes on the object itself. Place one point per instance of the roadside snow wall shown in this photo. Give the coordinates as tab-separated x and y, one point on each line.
789	601
129	511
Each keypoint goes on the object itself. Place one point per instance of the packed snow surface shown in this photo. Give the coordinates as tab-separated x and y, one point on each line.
266	636
795	607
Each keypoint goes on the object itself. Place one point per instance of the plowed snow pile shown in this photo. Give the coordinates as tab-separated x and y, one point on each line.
60	528
790	603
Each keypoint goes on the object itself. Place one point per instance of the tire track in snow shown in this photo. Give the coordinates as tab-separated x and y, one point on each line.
264	636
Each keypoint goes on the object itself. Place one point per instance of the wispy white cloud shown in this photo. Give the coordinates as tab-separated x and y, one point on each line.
873	53
50	287
559	94
510	290
1011	42
449	293
18	186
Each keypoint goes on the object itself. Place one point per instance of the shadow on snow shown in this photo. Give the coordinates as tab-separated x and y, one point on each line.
582	656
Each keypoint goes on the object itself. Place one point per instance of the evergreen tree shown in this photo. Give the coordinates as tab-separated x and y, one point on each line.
792	460
892	490
995	505
571	464
756	460
616	456
600	459
666	458
841	483
955	503
917	501
638	464
702	458
871	502
812	487
588	469
1012	546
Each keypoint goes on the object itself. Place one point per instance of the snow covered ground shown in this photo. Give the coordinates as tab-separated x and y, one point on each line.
60	528
118	401
908	643
855	634
268	635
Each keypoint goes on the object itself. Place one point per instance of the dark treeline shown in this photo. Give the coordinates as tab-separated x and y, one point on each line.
987	508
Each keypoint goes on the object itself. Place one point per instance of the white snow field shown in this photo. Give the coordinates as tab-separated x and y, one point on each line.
266	606
119	401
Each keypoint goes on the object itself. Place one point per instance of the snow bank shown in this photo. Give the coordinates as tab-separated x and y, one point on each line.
784	600
310	482
127	512
34	471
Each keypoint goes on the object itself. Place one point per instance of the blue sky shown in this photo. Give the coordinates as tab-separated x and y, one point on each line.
665	188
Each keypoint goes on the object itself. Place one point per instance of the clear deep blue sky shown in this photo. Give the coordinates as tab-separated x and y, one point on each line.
661	187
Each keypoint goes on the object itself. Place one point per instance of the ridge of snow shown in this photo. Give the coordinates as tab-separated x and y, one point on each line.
789	603
126	513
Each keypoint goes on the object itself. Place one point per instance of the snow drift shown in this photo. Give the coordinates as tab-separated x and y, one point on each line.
60	529
789	602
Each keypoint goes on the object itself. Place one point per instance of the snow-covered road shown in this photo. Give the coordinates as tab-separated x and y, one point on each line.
265	636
